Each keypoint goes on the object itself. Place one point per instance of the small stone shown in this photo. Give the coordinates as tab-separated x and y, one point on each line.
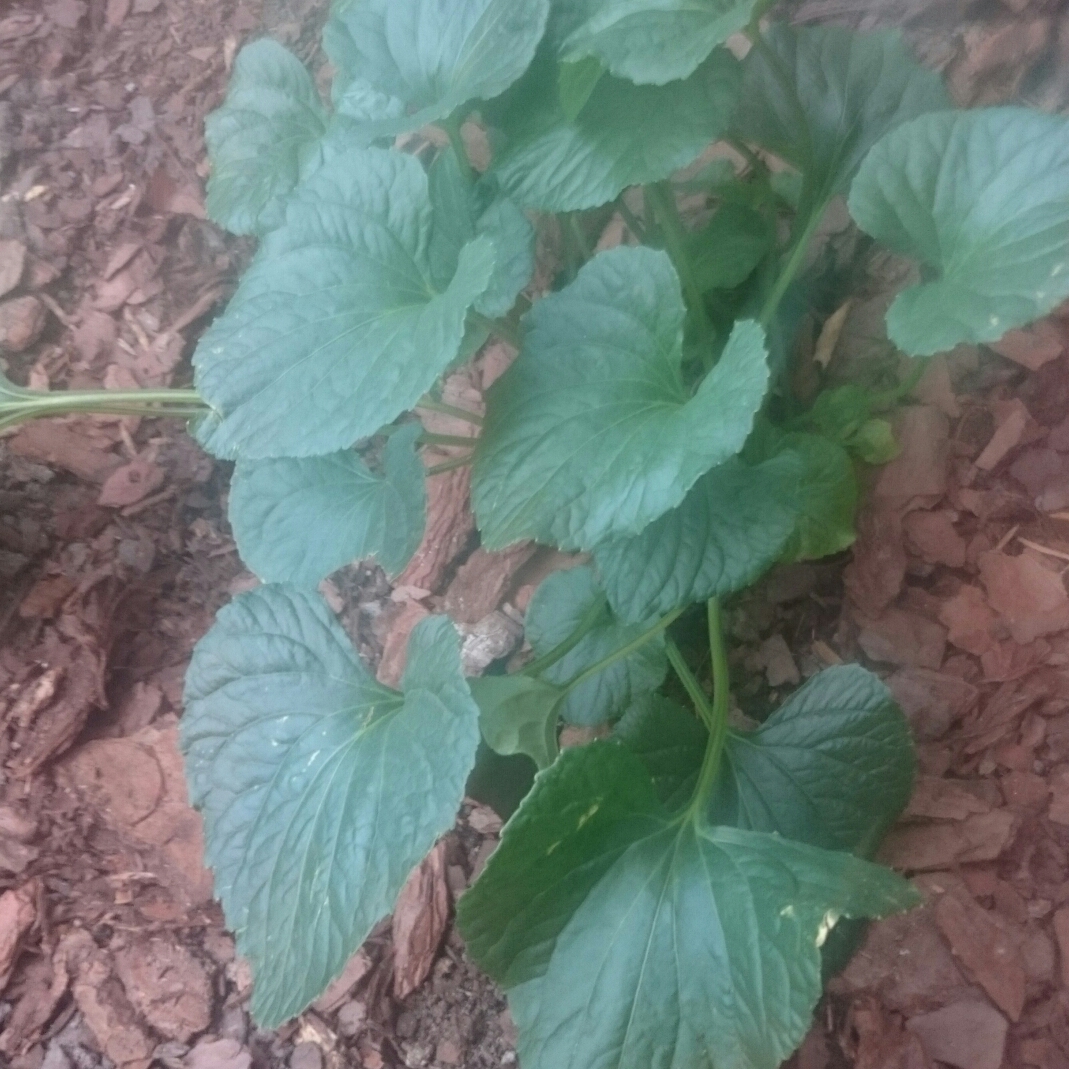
234	1024
306	1056
56	1058
447	1052
351	1018
969	1035
22	321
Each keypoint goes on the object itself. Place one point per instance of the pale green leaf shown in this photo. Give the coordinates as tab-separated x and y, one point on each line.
297	519
262	138
518	714
821	96
563	601
462	213
650	41
592	432
402	64
624	134
629	939
338	326
320	788
981	198
732	526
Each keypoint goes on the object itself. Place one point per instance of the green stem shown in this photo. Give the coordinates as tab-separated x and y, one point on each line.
18	404
630	219
429	404
625	651
501	327
427	438
663	200
580	238
588	622
456	140
799	245
718	723
690	682
449	465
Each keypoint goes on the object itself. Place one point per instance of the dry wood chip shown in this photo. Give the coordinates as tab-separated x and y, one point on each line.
419	922
18	914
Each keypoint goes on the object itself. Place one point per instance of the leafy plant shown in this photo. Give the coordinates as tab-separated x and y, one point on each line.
660	897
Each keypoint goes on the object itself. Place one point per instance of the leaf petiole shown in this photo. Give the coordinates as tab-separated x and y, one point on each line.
718	715
690	682
795	259
450	465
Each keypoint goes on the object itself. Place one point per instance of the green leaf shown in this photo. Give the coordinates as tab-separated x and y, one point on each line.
624	135
518	714
402	64
671	744
822	96
577	81
725	252
297	519
845	416
732	526
321	789
629	939
651	41
262	138
337	327
833	766
592	432
827	498
460	215
560	604
981	198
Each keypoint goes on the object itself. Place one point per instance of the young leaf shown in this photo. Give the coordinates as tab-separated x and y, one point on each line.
297	519
261	138
982	199
732	526
337	327
650	41
560	604
592	433
625	935
518	714
624	134
833	766
827	498
822	96
320	788
460	215
726	251
402	64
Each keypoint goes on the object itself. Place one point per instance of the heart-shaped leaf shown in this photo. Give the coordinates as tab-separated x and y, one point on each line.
982	199
402	64
732	526
563	602
625	935
649	41
462	213
262	137
592	432
518	714
297	519
822	96
624	134
338	326
320	788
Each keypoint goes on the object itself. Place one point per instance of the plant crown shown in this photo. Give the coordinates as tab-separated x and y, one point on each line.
660	897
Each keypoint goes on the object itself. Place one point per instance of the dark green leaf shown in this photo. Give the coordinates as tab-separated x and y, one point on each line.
671	743
629	939
732	526
625	134
402	64
460	217
726	251
650	41
320	788
822	96
262	138
518	714
337	327
577	81
296	520
592	432
833	766
560	604
982	199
